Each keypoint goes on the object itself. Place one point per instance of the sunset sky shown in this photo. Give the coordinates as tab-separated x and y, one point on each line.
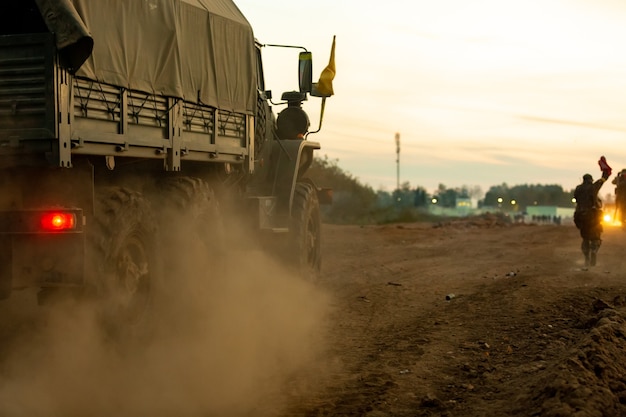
482	93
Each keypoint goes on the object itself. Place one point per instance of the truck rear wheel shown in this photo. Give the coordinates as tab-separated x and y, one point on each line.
193	199
122	254
304	235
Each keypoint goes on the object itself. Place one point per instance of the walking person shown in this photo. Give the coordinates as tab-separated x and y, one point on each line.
588	214
620	197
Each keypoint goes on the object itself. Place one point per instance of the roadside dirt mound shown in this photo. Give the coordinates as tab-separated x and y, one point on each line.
481	221
559	359
591	379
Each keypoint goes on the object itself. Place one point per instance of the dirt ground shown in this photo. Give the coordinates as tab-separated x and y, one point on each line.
474	317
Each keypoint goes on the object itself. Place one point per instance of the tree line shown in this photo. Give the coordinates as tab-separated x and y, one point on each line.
357	203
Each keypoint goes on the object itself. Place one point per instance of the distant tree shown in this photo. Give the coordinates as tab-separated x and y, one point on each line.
383	198
528	195
446	197
403	197
496	192
353	202
421	198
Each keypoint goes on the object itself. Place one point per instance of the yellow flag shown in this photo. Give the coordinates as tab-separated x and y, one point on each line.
325	83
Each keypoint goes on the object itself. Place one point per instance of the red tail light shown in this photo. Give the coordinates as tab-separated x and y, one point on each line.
57	221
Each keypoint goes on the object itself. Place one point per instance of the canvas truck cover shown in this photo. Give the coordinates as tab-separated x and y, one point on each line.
199	50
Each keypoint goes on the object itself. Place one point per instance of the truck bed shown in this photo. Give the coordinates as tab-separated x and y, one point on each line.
44	108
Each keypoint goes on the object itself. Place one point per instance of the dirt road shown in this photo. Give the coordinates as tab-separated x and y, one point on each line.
472	318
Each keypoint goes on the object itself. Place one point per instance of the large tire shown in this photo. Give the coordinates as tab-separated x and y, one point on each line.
122	256
260	126
191	200
304	248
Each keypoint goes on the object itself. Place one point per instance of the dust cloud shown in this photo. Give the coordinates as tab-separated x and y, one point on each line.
231	336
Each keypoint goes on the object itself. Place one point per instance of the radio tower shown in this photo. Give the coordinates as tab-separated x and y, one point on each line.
398	161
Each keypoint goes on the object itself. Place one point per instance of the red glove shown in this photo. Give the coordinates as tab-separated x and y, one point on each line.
604	167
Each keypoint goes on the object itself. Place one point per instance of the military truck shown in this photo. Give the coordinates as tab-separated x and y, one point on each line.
112	113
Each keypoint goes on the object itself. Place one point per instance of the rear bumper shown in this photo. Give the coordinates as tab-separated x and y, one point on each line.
35	258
